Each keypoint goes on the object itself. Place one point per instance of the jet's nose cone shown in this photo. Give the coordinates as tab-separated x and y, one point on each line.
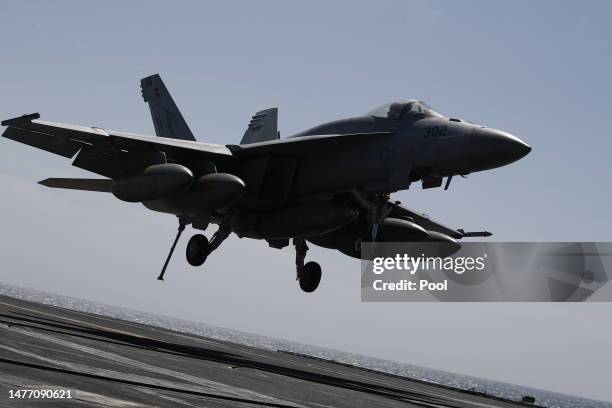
492	148
514	147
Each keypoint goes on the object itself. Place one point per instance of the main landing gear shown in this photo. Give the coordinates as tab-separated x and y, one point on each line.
198	247
308	275
197	250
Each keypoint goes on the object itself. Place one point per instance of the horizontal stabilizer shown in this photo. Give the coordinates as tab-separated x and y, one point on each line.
101	185
262	127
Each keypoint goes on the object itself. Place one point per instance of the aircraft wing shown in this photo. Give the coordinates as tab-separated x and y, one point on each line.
299	145
425	221
106	152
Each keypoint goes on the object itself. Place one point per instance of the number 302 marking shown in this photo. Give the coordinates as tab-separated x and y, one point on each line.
435	131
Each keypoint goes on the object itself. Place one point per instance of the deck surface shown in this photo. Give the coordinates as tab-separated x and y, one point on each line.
107	362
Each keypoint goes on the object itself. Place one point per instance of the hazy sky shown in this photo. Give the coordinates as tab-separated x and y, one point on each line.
540	70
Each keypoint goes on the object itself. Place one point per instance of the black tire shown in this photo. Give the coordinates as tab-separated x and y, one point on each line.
197	250
310	276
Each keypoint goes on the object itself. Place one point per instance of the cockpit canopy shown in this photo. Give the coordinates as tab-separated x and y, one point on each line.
402	109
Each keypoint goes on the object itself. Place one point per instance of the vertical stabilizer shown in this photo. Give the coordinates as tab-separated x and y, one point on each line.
167	118
263	127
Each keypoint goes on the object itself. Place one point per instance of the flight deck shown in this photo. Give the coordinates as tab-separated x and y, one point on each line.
106	362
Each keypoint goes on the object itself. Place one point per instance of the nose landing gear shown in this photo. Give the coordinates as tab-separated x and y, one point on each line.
308	275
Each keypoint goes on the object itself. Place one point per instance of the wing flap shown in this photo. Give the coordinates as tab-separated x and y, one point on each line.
43	141
64	130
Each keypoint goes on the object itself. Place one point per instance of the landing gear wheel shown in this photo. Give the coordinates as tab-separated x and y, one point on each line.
310	276
197	250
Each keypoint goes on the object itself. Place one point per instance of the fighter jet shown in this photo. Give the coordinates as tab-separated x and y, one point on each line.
329	185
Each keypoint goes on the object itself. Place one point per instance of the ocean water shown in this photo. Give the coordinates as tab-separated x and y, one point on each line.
495	388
